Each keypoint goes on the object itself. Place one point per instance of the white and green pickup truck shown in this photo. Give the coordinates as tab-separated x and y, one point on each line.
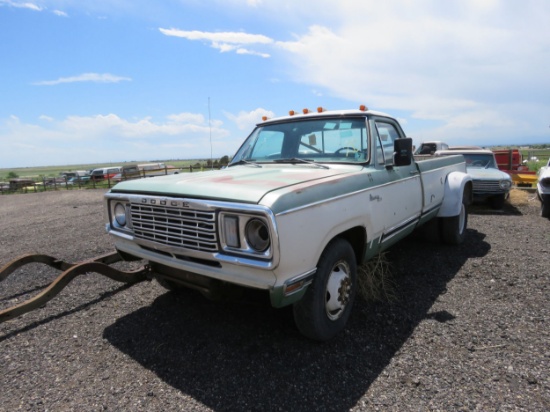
305	200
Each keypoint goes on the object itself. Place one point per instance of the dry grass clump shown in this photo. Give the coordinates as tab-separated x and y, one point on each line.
518	197
374	280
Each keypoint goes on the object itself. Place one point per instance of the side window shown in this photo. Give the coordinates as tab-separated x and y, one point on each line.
387	134
378	154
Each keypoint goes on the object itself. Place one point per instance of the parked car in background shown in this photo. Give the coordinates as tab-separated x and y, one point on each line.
103	173
78	180
429	148
76	173
54	181
490	183
19	183
543	190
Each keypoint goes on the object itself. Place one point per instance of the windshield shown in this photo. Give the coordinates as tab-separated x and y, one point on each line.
334	140
479	160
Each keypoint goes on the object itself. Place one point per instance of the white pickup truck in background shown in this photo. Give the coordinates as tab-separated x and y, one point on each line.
543	190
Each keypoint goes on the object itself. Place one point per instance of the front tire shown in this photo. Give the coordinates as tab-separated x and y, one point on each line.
453	229
545	206
326	306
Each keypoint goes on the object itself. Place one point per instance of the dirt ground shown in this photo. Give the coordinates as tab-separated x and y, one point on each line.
469	329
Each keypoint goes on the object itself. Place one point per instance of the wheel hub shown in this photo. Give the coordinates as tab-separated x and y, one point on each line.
338	291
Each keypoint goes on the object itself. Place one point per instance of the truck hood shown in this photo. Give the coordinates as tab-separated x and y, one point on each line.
479	173
238	183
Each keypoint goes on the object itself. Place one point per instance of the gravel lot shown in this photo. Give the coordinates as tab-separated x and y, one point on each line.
469	330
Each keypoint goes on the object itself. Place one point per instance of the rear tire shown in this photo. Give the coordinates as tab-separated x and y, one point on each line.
326	306
453	229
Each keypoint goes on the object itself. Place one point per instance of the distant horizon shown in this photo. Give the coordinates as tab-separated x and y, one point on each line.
112	163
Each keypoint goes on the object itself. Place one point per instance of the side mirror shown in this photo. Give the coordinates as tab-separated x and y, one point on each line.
402	151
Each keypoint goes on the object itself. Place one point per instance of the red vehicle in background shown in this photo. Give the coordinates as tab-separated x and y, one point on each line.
103	173
511	162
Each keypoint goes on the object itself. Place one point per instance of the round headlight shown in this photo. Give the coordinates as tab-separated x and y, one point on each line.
257	235
505	184
120	214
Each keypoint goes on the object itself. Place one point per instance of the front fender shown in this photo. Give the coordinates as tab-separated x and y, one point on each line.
458	186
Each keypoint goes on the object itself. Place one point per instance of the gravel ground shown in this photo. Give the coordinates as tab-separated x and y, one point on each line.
468	331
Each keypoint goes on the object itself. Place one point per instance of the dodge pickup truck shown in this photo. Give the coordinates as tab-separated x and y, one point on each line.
306	199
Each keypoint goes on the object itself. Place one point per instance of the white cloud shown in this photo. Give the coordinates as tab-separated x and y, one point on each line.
223	37
247	120
224	41
463	64
60	13
85	77
240	50
85	139
22	5
111	124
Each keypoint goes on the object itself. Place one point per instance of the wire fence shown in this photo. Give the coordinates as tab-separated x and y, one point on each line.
44	184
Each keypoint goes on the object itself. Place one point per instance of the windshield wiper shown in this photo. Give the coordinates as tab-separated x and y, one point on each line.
299	160
245	162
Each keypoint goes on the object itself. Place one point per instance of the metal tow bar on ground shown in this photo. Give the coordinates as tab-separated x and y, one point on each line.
99	264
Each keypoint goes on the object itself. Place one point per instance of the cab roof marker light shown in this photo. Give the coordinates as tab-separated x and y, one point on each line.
264	118
305	111
291	112
363	108
320	109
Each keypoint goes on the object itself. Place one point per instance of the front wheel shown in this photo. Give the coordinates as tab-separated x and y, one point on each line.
325	308
545	206
453	229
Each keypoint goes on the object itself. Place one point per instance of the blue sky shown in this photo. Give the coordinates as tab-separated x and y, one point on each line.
94	81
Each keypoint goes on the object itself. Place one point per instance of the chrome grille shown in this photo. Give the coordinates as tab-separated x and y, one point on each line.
189	229
486	186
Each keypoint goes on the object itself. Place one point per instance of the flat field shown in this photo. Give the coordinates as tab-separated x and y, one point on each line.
53	171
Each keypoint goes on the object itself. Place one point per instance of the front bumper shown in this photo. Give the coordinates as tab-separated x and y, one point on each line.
224	268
